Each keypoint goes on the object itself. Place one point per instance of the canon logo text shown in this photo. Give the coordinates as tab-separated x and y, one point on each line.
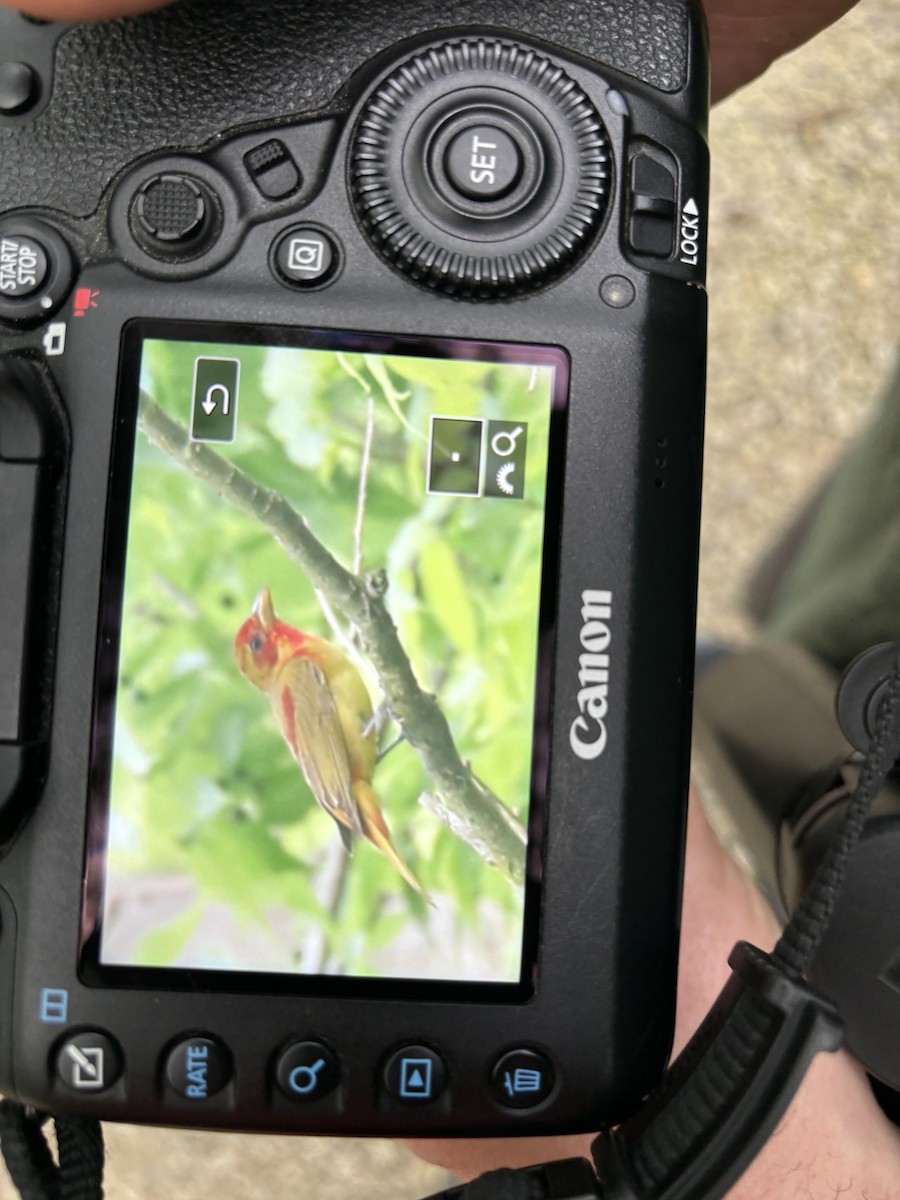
587	734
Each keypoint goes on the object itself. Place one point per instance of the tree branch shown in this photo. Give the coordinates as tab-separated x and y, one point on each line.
477	814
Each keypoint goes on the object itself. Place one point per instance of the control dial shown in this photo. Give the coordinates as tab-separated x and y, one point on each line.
480	168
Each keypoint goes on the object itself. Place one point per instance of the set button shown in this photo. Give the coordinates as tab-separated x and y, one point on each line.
484	162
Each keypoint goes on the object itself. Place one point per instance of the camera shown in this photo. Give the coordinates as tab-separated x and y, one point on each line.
351	391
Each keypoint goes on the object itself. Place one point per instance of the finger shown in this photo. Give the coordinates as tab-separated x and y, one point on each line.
83	10
747	36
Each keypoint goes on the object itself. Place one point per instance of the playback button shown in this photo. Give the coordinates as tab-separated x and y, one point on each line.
415	1075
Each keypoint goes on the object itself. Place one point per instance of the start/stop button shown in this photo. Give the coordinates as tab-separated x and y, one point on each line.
23	265
36	269
483	162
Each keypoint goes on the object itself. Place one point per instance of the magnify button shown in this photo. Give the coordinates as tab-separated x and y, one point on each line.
305	1080
307	1071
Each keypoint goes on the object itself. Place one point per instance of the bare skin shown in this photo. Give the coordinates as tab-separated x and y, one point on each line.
835	1139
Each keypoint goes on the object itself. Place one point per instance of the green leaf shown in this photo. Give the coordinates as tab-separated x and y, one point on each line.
163	946
447	595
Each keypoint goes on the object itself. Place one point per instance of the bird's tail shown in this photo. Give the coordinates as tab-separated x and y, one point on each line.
376	830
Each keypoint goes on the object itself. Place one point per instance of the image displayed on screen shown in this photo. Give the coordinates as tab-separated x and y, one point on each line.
320	750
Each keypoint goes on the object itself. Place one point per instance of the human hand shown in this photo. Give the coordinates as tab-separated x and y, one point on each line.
745	35
833	1138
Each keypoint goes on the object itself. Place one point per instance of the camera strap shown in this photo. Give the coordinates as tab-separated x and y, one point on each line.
726	1092
714	1110
78	1173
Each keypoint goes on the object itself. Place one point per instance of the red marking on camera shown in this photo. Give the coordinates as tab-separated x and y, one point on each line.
84	300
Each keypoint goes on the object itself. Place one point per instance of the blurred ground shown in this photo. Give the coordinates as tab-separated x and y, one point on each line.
804	322
803	283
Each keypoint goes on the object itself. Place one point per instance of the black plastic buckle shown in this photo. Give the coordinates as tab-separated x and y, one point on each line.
803	1023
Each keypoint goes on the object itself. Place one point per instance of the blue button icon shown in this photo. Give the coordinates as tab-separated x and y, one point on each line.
523	1082
305	1080
308	1071
523	1078
416	1079
54	1006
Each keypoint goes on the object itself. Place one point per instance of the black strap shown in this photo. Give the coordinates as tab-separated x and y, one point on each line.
79	1173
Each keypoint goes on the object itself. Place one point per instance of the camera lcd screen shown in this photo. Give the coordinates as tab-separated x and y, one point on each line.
321	726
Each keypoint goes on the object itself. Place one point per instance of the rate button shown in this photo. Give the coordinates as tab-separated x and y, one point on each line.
198	1068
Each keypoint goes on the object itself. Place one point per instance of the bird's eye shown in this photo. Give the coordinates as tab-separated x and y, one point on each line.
256	643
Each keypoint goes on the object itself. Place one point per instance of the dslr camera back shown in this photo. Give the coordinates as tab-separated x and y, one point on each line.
351	392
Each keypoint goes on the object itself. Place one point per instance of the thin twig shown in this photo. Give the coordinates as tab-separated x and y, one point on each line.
363	484
332	622
382	754
332	884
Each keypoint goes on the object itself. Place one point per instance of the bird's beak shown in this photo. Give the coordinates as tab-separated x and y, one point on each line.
264	610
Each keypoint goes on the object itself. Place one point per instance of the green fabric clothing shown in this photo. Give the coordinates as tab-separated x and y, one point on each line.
841	592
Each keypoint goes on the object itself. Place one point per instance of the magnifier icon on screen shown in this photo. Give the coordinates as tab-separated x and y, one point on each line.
504	475
504	444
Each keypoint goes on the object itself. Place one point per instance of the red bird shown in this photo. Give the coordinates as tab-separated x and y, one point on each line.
324	712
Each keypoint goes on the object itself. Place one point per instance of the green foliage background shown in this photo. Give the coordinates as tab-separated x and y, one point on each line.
203	785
